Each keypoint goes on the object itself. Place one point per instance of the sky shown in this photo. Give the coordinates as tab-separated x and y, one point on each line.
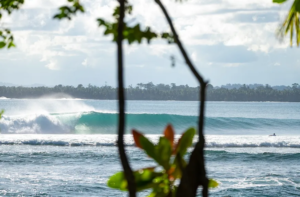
229	41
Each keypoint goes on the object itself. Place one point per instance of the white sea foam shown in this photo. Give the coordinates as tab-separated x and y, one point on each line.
212	141
253	141
33	124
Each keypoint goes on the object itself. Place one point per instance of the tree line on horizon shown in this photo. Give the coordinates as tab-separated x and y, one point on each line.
150	91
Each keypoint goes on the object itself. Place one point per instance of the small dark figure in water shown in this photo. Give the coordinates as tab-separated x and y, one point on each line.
273	134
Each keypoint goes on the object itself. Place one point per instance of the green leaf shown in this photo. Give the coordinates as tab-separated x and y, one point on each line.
10	5
279	1
163	152
185	141
212	183
291	23
2	44
131	34
179	164
144	179
148	147
291	32
11	44
117	181
161	186
68	11
1	113
297	26
297	5
152	194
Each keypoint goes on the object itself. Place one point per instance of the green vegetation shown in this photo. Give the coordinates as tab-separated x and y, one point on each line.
149	91
169	156
8	6
291	23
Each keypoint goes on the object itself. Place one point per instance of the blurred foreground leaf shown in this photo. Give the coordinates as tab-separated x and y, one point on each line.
66	12
136	138
1	113
212	183
144	179
291	23
163	152
169	134
279	1
185	141
6	39
148	147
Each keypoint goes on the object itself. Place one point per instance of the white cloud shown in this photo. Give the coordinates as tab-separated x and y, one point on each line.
85	62
52	65
277	64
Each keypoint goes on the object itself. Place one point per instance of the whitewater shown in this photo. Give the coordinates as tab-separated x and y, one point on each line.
67	147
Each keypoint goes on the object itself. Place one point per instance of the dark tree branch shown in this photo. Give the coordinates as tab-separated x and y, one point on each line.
195	173
121	98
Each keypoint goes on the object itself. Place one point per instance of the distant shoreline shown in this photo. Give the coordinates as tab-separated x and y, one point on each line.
153	92
78	99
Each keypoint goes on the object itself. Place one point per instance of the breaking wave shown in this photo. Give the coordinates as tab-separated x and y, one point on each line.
105	123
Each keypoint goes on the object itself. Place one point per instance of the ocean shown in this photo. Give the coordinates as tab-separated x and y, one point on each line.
67	147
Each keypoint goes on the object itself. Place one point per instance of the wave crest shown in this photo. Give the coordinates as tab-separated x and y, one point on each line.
105	123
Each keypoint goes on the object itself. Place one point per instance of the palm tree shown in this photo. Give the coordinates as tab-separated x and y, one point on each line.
291	22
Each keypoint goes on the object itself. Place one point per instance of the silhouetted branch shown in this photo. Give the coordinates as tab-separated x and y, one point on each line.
121	98
195	173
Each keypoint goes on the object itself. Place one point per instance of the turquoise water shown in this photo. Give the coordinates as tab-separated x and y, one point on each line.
67	147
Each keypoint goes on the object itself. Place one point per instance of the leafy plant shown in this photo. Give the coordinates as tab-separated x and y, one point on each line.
131	33
68	10
8	6
169	156
291	23
6	39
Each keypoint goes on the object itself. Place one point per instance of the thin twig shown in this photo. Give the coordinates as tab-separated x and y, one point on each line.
198	151
121	99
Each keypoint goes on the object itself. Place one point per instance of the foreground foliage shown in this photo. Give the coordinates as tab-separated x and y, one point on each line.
169	156
291	23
